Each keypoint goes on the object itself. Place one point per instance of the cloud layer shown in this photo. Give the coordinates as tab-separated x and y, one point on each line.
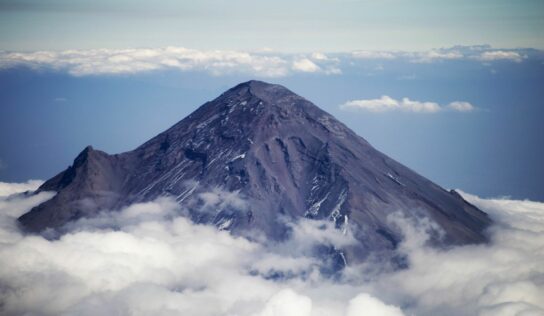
129	61
386	103
157	262
12	188
224	62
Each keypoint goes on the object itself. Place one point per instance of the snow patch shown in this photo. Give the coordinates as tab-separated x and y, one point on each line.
346	225
224	224
395	179
241	156
335	214
314	209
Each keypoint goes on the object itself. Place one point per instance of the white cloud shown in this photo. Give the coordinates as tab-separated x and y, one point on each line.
369	54
364	304
261	63
319	56
386	103
305	65
500	55
461	106
159	263
437	55
12	188
126	61
492	279
287	303
130	61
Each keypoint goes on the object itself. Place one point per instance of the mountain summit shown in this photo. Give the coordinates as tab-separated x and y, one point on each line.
282	155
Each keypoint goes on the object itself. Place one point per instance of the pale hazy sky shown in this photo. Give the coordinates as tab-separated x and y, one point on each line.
303	25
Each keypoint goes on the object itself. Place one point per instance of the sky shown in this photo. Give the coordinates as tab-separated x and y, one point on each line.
293	26
449	88
467	117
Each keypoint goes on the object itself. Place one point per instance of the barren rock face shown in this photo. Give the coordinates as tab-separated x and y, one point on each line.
285	158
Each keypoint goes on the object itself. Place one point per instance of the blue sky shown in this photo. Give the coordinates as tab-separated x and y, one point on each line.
54	104
450	89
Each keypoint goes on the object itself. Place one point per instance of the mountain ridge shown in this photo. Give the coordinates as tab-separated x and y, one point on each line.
280	152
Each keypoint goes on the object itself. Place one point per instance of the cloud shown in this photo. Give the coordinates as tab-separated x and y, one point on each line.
386	103
369	54
317	63
364	304
477	52
263	63
127	61
12	188
305	65
428	56
319	56
500	55
461	106
130	61
436	55
493	279
287	303
148	259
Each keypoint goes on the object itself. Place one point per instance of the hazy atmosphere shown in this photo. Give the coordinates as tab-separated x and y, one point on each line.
350	157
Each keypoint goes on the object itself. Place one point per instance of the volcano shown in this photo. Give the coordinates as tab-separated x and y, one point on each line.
282	156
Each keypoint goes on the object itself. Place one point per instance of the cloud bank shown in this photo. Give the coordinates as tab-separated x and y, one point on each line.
386	103
158	263
130	61
225	62
12	188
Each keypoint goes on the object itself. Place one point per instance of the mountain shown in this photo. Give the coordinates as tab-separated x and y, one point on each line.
279	152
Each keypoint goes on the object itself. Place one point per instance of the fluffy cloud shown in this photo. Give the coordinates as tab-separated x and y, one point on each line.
129	61
123	61
287	303
461	106
157	262
12	188
386	103
364	304
305	65
317	63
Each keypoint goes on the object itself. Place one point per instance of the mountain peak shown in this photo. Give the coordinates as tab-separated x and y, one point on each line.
271	94
285	156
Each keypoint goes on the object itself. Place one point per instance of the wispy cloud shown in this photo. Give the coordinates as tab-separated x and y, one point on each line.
387	103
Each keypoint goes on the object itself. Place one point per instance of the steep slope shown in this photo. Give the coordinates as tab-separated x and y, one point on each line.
283	155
